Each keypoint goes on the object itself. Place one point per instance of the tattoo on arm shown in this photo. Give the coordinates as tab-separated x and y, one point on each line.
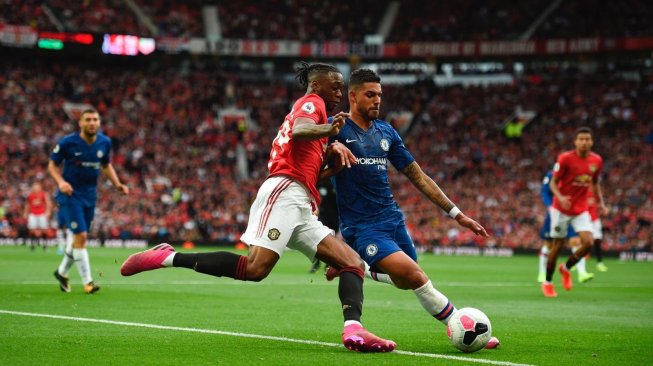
427	186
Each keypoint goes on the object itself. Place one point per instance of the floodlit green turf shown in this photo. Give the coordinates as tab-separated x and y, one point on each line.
606	322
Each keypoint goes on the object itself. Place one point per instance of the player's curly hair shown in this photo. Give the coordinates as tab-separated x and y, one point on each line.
361	76
306	72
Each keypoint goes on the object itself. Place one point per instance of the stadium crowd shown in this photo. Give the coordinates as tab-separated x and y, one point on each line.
351	21
181	162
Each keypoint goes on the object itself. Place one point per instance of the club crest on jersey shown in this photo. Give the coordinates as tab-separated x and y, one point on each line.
371	250
274	234
385	145
308	107
100	154
592	168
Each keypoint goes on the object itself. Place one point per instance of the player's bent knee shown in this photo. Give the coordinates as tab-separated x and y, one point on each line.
257	274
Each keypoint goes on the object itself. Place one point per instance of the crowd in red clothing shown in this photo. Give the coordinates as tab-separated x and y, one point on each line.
181	162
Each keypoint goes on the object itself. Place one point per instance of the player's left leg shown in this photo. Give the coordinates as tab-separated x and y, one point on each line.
597	231
338	255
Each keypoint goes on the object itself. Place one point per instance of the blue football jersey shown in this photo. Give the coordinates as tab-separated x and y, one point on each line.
363	191
81	165
545	191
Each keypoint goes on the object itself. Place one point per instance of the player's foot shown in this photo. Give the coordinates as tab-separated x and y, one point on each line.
146	260
91	288
64	284
493	343
315	266
541	277
601	267
548	290
357	338
330	273
585	277
565	277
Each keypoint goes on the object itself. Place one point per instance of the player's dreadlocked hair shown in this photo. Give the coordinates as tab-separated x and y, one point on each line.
361	76
306	73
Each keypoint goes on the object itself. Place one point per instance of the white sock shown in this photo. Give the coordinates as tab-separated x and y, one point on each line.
434	302
69	238
379	277
581	263
83	264
350	322
66	262
544	254
61	243
168	261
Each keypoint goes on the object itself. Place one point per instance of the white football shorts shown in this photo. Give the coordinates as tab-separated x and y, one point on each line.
597	229
282	216
560	223
36	222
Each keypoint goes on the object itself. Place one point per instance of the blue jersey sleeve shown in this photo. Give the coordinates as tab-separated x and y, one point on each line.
105	159
545	192
398	154
58	154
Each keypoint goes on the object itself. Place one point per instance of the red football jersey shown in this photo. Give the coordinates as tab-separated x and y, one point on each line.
574	175
37	203
301	160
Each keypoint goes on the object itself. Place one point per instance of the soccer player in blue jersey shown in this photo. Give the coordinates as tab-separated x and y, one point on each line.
545	235
370	219
83	155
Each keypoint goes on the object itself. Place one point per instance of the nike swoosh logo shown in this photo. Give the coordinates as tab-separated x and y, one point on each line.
348	140
78	154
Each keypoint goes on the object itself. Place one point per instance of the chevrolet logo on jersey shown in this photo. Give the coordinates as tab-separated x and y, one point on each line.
582	180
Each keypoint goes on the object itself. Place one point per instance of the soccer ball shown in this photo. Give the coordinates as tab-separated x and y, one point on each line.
469	329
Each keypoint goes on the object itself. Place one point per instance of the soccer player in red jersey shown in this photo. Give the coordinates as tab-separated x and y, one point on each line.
282	214
575	172
38	208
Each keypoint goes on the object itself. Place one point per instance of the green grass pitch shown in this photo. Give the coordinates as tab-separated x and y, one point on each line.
179	317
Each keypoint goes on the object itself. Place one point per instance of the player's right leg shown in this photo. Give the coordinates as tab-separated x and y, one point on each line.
407	274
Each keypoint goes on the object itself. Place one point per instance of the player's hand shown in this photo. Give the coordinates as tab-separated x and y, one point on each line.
603	210
123	189
66	188
343	156
565	202
338	123
472	225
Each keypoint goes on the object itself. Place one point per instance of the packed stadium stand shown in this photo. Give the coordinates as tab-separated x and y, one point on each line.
182	154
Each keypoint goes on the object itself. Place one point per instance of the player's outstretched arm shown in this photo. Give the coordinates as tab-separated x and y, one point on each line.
432	191
305	129
338	156
110	173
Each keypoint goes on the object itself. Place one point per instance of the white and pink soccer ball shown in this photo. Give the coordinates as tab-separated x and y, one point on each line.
470	330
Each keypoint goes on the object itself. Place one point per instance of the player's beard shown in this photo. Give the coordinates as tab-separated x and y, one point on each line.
89	132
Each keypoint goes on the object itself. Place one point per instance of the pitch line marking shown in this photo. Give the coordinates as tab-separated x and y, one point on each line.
249	335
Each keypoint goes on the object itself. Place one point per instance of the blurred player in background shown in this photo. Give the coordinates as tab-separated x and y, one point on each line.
597	228
83	155
370	219
328	213
573	174
283	213
38	208
545	235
